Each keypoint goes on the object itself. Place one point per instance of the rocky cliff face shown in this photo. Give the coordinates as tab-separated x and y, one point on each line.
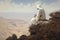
45	30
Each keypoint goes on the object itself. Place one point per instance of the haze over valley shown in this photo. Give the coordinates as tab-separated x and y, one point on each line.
12	26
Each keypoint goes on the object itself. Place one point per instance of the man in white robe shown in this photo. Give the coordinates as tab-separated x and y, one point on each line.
39	16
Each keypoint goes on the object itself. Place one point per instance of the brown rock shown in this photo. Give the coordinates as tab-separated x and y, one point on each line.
23	37
55	14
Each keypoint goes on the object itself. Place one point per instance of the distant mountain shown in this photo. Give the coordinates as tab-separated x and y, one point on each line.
9	27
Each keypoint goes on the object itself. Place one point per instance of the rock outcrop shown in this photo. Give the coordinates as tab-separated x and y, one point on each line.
47	30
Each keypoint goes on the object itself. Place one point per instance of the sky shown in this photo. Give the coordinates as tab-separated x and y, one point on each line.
25	9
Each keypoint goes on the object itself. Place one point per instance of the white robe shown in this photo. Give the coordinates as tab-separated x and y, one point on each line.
40	12
34	21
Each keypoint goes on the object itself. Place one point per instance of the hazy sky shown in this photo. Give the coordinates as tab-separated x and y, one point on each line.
25	9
